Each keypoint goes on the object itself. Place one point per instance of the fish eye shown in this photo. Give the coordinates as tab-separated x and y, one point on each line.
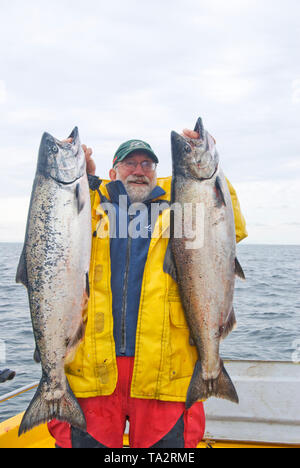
187	148
54	149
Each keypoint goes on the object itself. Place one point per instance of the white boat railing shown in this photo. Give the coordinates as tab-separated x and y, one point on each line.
20	391
269	408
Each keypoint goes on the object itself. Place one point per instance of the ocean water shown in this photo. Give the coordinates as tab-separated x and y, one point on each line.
267	307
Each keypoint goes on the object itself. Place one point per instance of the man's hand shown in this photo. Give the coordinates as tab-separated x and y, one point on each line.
90	163
190	134
194	135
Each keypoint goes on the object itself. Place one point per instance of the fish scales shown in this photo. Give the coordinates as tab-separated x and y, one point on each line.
209	269
205	268
54	267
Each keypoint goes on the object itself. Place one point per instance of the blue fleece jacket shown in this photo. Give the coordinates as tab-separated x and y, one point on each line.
128	258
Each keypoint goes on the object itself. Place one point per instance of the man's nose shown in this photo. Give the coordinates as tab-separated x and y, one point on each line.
138	170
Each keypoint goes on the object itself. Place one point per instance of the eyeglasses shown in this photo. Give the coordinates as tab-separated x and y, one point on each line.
147	166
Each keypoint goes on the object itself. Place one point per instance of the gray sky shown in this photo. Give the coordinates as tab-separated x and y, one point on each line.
139	69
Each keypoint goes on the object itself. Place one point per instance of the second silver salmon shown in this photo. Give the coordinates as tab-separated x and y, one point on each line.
205	269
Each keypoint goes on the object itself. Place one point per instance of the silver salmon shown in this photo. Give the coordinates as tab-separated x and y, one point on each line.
54	268
205	269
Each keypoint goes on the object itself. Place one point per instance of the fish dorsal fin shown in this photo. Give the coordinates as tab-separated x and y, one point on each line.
199	128
21	276
219	190
239	270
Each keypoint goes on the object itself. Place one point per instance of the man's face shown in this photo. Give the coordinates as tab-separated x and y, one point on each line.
138	174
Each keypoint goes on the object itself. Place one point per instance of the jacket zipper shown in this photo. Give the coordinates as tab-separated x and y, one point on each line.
125	291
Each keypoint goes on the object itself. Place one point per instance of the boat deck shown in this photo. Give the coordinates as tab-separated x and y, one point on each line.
268	413
39	437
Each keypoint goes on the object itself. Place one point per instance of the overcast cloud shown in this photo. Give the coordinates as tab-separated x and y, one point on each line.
139	69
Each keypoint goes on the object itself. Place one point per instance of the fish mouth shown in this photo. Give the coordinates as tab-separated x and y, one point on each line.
63	182
199	128
74	134
51	144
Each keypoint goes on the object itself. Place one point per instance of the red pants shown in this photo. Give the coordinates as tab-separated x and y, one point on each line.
150	420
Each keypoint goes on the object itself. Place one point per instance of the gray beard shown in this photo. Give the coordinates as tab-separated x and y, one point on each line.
138	194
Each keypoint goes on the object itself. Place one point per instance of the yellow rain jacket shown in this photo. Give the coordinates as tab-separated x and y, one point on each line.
164	358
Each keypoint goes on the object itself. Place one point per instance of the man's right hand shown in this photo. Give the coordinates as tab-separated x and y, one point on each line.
90	163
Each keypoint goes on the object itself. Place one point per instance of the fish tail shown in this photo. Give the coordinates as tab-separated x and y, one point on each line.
41	410
200	389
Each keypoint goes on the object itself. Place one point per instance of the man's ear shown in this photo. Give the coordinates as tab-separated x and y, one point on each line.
113	174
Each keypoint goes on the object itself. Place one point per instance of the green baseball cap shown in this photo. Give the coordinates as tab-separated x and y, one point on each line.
133	145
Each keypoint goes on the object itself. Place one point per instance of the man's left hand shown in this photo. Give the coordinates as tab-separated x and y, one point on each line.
190	134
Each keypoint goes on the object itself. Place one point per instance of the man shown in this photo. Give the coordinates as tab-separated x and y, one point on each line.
136	361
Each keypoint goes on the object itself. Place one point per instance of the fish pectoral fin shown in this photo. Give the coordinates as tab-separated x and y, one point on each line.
73	342
229	325
219	191
85	296
169	264
239	270
87	284
21	276
37	356
80	199
6	375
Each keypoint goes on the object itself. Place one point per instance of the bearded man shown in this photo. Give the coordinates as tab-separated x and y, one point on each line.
136	360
